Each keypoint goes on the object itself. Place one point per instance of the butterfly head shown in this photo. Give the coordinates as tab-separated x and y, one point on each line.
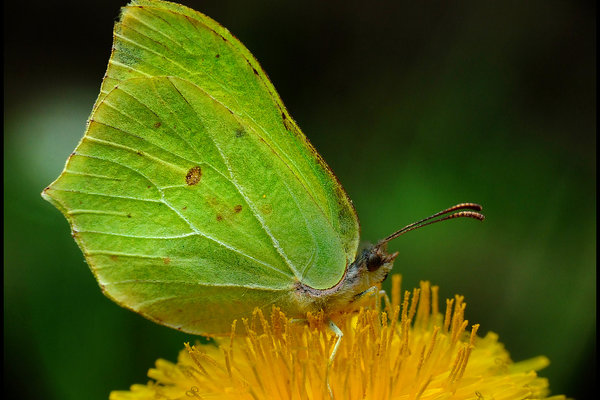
375	263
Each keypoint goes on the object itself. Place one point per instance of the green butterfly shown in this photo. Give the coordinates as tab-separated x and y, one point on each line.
195	197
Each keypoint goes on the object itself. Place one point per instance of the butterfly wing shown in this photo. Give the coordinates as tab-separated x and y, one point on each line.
193	194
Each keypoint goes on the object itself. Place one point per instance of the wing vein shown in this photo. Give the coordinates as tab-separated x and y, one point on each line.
178	168
129	67
153	29
106	195
188	283
141	46
110	178
194	162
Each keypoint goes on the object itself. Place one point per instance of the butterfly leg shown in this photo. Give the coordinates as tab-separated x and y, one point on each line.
374	291
386	300
338	332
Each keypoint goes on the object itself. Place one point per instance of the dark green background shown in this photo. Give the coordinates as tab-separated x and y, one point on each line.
415	107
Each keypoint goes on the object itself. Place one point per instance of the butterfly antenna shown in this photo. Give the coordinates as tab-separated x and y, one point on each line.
449	213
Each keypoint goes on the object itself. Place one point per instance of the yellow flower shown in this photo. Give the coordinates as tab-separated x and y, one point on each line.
410	350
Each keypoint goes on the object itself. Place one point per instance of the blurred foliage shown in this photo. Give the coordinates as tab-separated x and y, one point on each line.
416	106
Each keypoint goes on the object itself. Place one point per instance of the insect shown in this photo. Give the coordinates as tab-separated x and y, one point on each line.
195	197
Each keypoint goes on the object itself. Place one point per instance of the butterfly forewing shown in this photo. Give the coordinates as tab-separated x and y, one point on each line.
193	194
166	39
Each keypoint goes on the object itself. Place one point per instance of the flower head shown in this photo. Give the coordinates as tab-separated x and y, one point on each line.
408	350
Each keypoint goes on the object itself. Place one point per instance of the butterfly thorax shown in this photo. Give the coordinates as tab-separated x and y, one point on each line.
369	269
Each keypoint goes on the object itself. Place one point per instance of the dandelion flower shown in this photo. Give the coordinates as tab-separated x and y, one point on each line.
409	350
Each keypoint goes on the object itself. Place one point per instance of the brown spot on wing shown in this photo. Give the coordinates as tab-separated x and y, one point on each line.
157	125
166	260
193	176
219	217
237	208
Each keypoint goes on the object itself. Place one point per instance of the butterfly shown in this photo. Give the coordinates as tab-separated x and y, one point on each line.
194	195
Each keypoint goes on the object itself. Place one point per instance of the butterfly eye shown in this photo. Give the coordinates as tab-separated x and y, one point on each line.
374	261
